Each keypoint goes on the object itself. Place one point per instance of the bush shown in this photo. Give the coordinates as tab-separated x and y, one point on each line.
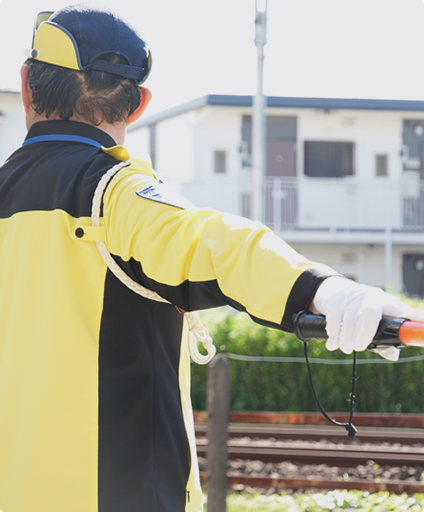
284	386
323	501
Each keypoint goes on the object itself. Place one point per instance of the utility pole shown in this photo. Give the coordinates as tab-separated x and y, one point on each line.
259	126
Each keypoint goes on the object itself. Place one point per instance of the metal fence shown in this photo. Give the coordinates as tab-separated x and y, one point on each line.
343	204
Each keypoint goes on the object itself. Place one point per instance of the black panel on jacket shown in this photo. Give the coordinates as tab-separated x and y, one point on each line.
142	438
191	296
67	183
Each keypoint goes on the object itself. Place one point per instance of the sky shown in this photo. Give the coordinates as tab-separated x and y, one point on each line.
316	48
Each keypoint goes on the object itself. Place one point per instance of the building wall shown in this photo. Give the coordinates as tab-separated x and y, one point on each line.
175	149
362	262
215	129
185	146
356	261
372	133
138	143
12	123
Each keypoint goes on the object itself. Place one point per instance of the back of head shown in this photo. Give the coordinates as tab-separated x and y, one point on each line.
86	63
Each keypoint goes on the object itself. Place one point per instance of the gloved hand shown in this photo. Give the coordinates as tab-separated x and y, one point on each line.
354	311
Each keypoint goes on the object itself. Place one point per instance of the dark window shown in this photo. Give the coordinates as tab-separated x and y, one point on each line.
324	159
413	141
381	165
220	164
413	274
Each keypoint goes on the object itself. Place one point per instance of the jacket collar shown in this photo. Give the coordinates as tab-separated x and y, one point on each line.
73	131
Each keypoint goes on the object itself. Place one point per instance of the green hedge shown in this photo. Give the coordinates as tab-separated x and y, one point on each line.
282	386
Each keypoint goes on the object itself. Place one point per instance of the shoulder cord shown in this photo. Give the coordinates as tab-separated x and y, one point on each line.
197	332
350	427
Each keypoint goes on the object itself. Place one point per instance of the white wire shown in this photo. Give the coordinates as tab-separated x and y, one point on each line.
317	360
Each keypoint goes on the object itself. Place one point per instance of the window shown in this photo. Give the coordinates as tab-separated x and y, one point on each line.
220	162
381	165
325	159
348	257
413	275
278	128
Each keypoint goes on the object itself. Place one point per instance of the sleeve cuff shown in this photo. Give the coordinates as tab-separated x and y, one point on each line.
302	293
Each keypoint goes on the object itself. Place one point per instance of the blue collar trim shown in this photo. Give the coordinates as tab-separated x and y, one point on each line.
65	138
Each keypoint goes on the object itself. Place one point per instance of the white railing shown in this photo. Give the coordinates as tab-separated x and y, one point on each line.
346	204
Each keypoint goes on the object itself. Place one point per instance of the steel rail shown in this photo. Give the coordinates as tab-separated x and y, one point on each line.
340	455
317	433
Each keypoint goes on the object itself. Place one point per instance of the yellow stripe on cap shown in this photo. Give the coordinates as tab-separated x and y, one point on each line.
42	16
55	46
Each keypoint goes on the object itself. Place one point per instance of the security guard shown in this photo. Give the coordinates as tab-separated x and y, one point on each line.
95	413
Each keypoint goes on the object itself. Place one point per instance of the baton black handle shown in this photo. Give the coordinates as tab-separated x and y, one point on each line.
308	326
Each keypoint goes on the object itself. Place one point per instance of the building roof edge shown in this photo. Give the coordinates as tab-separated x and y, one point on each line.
282	102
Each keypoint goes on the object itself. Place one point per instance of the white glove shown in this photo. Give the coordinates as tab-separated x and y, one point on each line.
354	311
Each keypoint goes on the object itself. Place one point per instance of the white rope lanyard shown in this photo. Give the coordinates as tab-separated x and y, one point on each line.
197	332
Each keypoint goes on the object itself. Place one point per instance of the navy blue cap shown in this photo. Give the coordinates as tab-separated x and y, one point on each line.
97	32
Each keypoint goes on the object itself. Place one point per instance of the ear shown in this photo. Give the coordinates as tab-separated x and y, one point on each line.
26	89
146	96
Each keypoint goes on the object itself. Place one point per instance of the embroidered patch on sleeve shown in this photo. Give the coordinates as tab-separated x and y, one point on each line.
162	193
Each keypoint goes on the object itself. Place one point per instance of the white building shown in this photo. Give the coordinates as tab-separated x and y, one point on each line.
344	180
12	123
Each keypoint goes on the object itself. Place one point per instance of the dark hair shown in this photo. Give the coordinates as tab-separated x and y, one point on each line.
97	96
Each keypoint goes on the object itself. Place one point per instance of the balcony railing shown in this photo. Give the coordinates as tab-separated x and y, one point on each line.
346	204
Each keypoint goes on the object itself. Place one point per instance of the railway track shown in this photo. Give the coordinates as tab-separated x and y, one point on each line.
306	444
340	455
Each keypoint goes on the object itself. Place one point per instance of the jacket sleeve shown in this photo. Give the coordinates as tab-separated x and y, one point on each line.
200	258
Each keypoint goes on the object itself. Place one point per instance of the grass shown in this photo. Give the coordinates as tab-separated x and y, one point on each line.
324	502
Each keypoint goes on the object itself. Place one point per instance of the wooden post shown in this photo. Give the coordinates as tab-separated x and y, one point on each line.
218	412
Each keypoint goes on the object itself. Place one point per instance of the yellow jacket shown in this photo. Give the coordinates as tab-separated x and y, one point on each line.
95	412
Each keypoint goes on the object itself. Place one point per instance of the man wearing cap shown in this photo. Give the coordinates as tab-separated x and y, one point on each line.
95	414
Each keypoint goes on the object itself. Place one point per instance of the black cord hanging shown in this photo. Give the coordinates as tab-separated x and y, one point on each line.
350	427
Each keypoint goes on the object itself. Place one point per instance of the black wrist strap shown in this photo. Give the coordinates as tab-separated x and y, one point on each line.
350	427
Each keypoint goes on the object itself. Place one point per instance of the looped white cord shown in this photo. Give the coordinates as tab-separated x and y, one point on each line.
197	332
